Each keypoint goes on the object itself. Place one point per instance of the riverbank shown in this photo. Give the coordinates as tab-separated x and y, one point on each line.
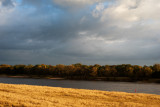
42	96
32	76
114	79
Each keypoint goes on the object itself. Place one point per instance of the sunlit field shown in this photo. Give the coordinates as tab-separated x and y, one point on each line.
43	96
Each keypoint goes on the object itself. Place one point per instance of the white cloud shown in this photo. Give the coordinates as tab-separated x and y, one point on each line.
125	13
98	10
6	12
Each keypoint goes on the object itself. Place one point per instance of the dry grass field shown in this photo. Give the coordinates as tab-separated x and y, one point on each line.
42	96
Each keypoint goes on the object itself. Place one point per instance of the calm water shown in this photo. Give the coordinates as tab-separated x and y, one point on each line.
151	88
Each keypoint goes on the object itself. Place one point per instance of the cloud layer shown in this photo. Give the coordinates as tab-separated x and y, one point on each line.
86	31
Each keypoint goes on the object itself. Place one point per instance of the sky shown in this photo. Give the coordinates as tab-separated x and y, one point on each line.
80	31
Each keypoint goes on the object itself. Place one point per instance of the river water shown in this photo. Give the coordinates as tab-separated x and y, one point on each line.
151	88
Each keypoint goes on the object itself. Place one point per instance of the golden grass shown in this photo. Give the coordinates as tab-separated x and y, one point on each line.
43	96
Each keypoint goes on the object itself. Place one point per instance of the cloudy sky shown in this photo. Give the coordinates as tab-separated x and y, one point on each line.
86	31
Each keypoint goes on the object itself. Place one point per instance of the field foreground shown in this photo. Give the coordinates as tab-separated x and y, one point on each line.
43	96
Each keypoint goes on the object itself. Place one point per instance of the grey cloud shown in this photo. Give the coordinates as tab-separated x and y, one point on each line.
36	2
7	3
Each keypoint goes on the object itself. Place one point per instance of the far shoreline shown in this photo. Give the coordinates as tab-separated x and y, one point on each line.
32	77
107	79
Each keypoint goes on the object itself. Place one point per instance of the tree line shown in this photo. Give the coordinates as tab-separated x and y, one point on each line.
80	71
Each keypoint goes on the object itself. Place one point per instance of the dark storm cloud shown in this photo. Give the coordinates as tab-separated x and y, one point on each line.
38	30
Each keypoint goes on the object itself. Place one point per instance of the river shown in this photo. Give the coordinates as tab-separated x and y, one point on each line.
151	88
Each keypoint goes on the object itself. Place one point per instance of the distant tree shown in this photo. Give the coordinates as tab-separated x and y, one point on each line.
113	70
94	70
80	71
130	70
122	69
60	68
101	71
19	69
84	72
28	69
70	70
156	70
5	69
52	71
147	71
77	65
137	72
107	71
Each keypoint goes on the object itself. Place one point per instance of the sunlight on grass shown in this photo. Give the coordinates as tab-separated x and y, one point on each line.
43	96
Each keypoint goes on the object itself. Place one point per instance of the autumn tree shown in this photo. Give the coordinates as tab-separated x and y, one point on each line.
147	71
93	70
70	70
156	69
